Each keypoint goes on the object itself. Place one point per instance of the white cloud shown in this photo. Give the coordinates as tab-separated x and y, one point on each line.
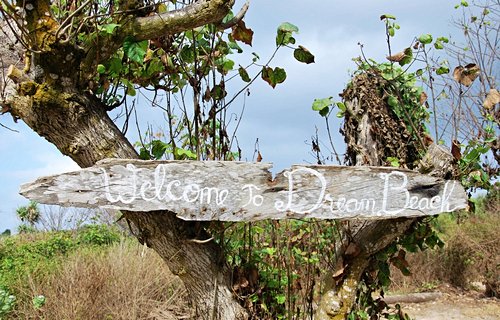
48	163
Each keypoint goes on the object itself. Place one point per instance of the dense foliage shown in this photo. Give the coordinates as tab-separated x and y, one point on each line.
279	268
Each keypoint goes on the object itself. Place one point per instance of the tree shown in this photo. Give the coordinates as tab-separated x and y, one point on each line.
29	214
385	116
63	45
83	60
80	61
465	97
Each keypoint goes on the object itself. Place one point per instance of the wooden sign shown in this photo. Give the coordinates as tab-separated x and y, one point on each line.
239	191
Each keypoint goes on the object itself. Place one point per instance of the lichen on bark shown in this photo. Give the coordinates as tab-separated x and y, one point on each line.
338	299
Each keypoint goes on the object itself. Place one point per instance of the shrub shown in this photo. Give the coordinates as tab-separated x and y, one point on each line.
98	234
92	274
28	254
471	252
7	302
122	281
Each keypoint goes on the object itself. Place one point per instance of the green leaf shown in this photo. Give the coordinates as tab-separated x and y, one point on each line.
184	153
224	65
320	104
162	8
228	65
108	28
228	17
464	3
443	39
130	87
158	148
273	77
425	38
135	51
384	274
233	45
218	92
144	154
341	106
284	34
391	31
408	57
438	45
187	54
280	298
393	161
303	55
101	68
279	75
288	27
387	17
244	74
115	66
442	70
392	101
324	112
39	301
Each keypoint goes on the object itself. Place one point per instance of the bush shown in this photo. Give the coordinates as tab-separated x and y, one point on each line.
92	274
122	281
41	253
31	254
470	254
7	302
98	234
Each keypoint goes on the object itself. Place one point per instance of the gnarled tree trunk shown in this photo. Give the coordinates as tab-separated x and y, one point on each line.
373	133
56	102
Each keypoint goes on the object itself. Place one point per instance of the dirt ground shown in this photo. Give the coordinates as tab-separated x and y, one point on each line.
455	306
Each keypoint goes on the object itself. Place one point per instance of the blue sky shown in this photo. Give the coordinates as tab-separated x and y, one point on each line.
280	118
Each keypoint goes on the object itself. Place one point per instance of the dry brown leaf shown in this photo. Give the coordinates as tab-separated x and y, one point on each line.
466	75
242	283
4	109
428	140
207	96
352	250
423	98
492	99
455	150
338	273
259	157
396	57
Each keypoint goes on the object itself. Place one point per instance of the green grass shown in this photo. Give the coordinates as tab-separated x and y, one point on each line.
93	273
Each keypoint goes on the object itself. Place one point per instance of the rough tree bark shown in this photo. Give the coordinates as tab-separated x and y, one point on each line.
373	133
57	103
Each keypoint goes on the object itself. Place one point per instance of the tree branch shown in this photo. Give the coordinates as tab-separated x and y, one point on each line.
172	22
237	18
145	28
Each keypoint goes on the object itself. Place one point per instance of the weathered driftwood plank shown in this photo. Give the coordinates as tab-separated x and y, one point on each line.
239	191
